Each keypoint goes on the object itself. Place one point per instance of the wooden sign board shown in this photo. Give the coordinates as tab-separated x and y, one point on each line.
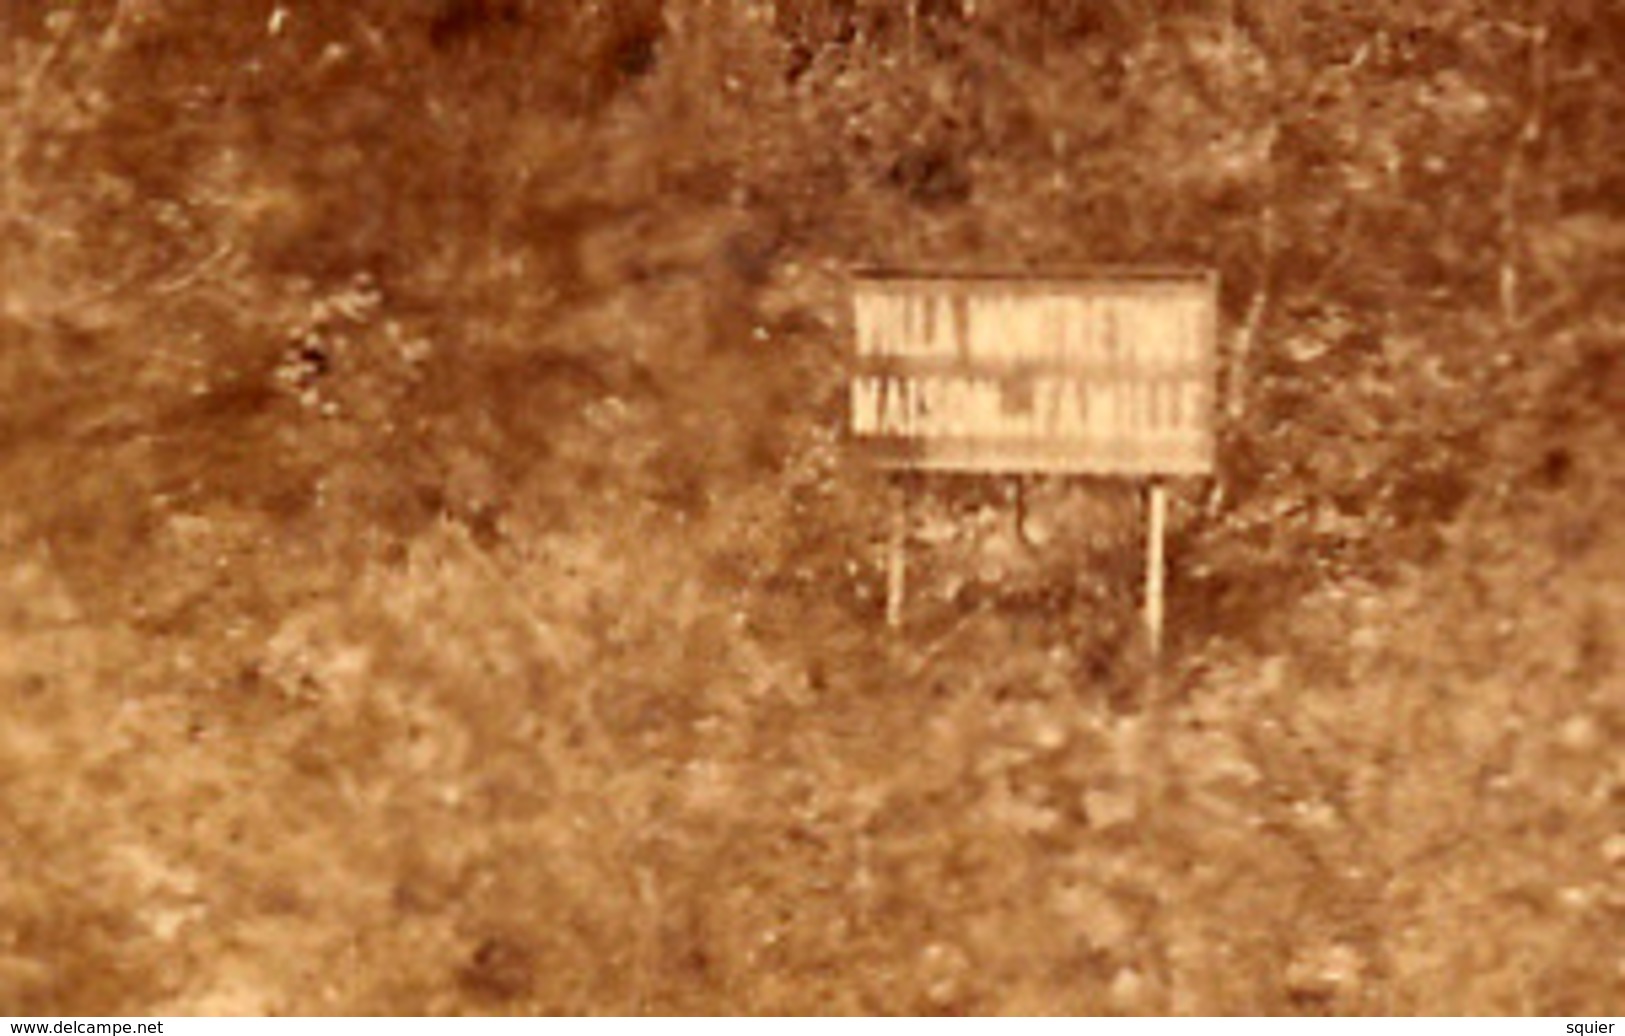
1107	375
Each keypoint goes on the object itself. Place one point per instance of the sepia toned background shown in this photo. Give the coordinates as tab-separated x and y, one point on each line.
432	578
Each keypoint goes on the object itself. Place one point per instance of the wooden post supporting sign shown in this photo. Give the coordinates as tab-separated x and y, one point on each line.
896	557
1157	518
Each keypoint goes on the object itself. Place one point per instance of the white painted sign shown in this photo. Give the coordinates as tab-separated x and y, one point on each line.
1109	375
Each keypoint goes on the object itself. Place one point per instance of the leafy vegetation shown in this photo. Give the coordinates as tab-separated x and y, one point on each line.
433	582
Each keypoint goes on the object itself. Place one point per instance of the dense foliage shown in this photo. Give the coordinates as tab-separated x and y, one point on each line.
432	581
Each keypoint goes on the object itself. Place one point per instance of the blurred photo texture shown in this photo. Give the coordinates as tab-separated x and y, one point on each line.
812	507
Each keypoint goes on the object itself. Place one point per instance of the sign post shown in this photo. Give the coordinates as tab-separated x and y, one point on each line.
1157	499
1108	374
896	559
